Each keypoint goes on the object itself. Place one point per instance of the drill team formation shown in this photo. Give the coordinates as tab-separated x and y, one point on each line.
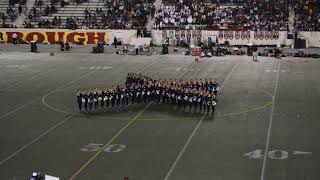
201	95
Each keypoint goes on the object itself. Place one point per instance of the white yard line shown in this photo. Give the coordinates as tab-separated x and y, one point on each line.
264	164
194	132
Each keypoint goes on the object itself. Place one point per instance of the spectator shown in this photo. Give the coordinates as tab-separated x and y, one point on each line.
115	42
138	33
136	47
14	38
20	9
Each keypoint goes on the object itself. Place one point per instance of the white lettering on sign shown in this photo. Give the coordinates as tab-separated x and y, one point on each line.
273	154
94	147
95	68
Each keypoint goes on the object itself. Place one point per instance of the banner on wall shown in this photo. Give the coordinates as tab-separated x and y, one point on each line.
266	36
256	35
220	35
261	35
164	34
231	35
171	34
177	34
237	35
243	35
54	37
183	34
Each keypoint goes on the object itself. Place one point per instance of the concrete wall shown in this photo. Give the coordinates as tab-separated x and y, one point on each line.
313	38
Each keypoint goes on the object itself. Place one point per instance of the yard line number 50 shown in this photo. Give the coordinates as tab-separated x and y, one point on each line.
93	147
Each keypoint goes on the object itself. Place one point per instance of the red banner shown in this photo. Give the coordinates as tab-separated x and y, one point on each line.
55	37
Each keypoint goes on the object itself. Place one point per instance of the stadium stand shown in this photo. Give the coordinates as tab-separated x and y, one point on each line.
307	15
9	11
256	15
253	15
93	14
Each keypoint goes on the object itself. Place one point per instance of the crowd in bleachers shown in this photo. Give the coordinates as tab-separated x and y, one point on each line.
126	14
257	15
114	14
15	8
182	13
307	15
267	14
252	14
41	8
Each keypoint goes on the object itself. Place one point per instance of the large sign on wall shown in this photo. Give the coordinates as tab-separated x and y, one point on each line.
55	37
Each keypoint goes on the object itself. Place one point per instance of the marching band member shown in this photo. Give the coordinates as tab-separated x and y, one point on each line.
138	88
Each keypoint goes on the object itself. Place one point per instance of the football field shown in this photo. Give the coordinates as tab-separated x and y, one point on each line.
265	126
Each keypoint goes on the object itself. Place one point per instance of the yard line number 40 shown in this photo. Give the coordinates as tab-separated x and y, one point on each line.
274	154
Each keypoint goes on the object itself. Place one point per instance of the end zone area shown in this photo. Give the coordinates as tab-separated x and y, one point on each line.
257	132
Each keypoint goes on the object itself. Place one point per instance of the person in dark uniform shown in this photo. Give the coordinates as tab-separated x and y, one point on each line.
126	97
86	101
190	100
158	96
106	98
200	101
95	99
144	94
208	101
138	94
61	45
216	88
112	98
213	103
132	94
90	101
115	42
118	98
79	99
101	98
185	99
179	98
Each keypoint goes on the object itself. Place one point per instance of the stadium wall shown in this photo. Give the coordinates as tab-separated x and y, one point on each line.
85	37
